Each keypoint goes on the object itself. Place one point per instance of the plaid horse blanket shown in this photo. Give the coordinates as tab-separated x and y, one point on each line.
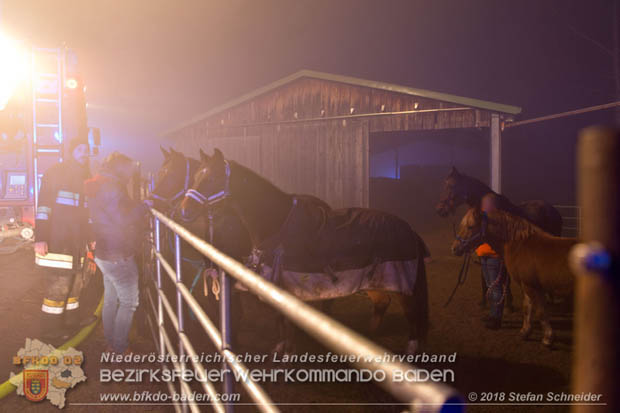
322	253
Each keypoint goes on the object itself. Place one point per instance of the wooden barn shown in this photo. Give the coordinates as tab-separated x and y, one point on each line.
310	132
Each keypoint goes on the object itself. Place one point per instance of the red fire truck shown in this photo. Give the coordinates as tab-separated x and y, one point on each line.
42	107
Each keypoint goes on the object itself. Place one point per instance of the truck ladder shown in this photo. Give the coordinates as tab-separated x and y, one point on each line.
47	89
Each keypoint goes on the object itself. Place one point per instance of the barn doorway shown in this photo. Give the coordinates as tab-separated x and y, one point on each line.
407	169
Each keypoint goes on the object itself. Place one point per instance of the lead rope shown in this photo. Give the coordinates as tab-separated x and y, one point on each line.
461	278
215	281
502	274
199	264
463	271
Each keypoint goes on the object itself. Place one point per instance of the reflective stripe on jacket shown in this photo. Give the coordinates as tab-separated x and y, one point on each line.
61	218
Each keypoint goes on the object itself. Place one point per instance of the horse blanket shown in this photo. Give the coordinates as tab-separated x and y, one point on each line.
322	253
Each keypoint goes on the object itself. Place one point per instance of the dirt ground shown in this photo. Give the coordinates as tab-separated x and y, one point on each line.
486	361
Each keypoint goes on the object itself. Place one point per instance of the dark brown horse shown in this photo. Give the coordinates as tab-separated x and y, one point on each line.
173	180
317	253
461	189
229	235
537	260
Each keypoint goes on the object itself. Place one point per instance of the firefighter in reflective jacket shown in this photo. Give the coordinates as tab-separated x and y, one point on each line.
61	236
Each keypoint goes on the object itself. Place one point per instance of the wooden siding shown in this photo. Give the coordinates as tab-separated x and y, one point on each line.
326	158
314	98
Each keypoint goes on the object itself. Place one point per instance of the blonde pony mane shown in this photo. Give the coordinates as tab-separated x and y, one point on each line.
514	227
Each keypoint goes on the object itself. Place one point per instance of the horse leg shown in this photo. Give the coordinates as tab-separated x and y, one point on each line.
541	305
281	344
526	329
381	302
415	307
286	344
416	333
509	299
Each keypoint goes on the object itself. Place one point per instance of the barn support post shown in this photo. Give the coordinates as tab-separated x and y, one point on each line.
396	164
596	364
496	154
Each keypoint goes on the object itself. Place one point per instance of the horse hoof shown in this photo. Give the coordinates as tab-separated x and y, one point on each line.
413	346
547	342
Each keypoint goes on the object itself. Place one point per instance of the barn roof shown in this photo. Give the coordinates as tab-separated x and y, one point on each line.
406	90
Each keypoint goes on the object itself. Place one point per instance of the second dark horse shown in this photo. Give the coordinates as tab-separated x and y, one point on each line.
462	189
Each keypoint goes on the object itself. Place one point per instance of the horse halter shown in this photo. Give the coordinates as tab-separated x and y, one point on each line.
215	198
465	243
176	196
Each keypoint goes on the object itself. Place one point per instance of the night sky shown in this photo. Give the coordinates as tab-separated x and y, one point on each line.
150	65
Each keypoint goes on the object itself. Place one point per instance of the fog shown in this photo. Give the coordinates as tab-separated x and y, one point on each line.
150	65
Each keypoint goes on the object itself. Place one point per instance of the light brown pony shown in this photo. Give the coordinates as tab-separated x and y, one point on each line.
536	260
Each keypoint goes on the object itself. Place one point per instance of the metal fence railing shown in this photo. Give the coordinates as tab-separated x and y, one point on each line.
571	217
431	397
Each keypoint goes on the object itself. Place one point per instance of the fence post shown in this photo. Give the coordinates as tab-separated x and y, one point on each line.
225	328
178	261
596	365
160	309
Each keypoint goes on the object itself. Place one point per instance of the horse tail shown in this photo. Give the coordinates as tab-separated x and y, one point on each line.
420	294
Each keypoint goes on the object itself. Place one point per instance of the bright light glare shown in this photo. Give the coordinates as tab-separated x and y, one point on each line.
71	83
13	69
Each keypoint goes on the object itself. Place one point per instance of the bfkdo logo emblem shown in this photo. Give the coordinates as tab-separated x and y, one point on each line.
36	384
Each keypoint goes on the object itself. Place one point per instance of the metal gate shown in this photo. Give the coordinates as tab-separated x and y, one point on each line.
432	397
571	220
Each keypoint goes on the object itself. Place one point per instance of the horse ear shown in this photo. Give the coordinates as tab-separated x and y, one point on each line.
218	155
454	171
164	152
172	151
476	213
203	156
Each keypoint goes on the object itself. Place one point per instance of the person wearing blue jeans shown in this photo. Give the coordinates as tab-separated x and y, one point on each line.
495	278
118	222
120	300
493	272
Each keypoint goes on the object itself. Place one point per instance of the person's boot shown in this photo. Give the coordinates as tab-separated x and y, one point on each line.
52	329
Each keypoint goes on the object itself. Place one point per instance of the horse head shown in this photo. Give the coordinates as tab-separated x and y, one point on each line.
172	180
211	185
495	227
471	233
452	195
